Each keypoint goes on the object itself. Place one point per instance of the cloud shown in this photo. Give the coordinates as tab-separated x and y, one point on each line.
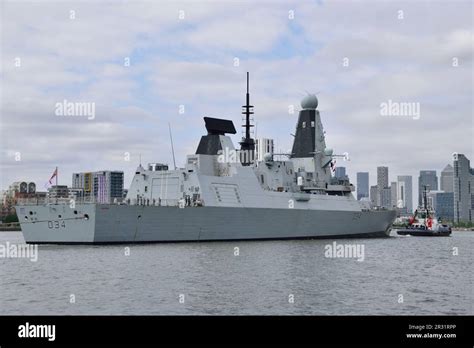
191	62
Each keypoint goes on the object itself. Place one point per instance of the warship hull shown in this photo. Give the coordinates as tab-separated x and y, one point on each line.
102	224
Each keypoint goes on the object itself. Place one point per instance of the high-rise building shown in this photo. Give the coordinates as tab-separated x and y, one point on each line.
105	186
444	206
340	172
386	197
84	181
362	185
426	178
382	177
442	203
263	146
382	184
374	193
393	194
463	189
404	194
446	180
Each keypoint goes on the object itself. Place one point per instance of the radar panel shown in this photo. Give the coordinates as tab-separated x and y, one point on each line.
219	126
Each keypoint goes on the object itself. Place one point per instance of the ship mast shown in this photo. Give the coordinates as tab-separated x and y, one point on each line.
247	145
425	200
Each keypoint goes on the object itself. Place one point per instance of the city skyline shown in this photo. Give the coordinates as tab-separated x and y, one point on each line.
390	179
412	186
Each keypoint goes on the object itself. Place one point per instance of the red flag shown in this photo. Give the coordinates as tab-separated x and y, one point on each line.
55	174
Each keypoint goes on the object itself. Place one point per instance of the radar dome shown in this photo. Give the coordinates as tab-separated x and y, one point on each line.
309	102
328	152
268	157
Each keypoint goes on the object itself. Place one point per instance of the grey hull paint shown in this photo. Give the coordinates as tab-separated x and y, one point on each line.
143	224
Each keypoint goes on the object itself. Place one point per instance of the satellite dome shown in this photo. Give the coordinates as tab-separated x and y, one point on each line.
309	102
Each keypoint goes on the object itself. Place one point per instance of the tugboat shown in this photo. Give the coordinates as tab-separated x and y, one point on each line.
424	222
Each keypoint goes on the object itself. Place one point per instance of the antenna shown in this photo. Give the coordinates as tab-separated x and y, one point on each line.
425	199
247	112
247	144
307	93
172	147
247	82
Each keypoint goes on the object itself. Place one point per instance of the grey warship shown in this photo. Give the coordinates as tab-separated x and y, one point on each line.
222	193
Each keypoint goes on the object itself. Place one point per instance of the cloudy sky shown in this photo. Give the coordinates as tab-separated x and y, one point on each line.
354	54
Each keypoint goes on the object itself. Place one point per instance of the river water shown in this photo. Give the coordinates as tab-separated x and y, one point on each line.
397	276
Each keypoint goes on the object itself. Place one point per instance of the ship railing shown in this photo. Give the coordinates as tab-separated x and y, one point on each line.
171	202
154	202
65	200
93	200
317	185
